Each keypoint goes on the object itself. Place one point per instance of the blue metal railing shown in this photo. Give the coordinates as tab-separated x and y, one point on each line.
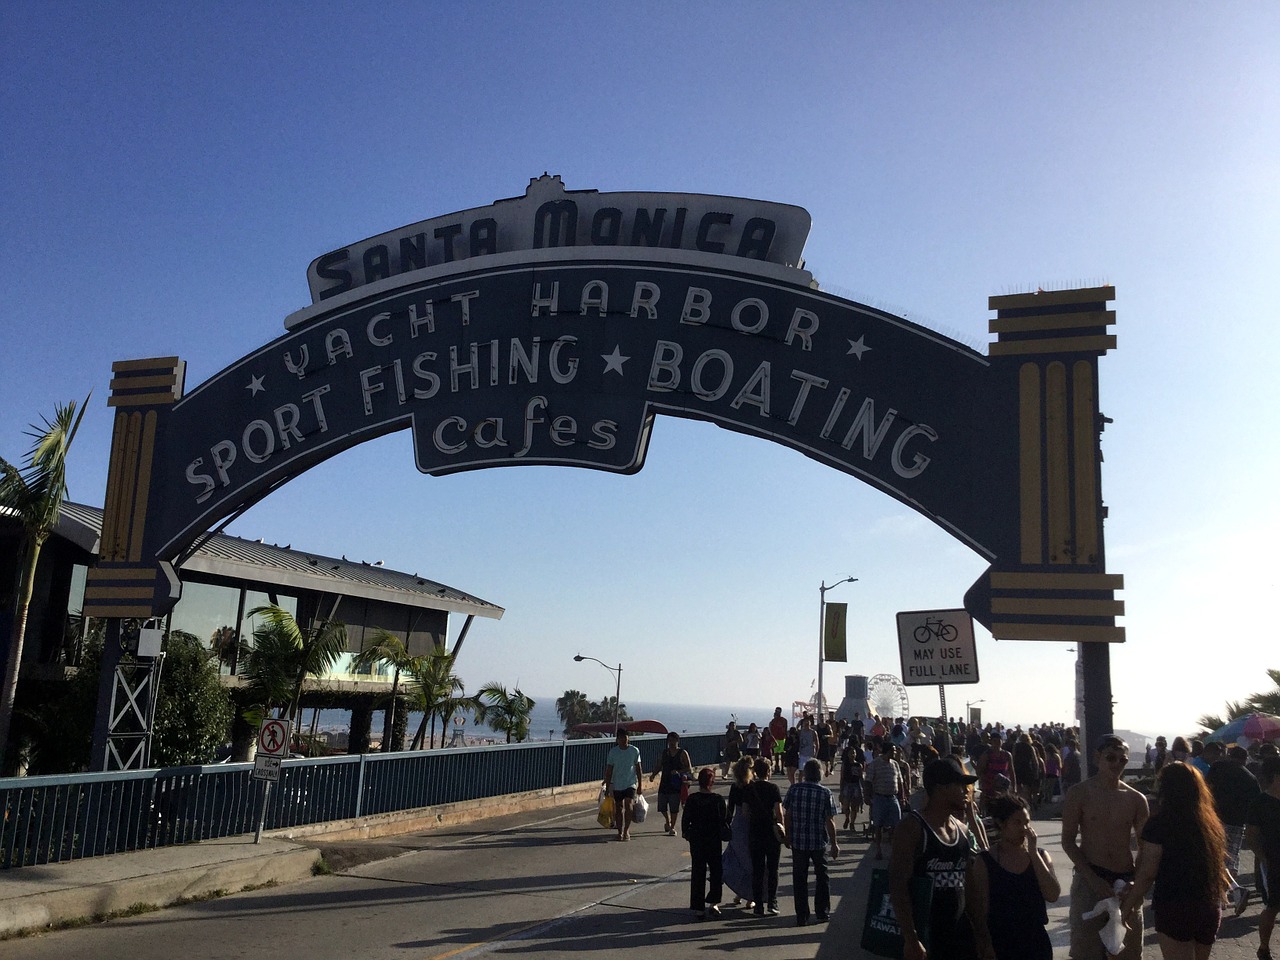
57	818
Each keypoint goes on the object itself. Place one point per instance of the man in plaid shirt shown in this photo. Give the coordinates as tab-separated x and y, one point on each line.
809	817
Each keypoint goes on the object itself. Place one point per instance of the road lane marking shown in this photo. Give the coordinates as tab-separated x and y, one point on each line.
522	826
533	929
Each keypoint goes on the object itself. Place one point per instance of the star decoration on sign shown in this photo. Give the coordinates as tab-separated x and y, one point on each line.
614	361
857	347
255	386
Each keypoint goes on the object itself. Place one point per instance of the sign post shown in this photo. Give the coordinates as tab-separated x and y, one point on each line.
273	746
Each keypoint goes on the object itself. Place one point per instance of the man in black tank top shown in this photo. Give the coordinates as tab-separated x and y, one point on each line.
935	843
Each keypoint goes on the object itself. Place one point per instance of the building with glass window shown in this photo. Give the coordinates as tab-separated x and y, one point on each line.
225	579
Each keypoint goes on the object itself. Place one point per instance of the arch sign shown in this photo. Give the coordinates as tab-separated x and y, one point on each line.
555	327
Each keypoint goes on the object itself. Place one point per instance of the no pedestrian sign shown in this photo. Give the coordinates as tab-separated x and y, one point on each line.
937	647
273	738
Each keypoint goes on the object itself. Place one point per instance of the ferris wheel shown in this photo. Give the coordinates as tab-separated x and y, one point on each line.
887	696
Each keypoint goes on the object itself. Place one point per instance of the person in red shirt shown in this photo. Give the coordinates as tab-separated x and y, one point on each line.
778	730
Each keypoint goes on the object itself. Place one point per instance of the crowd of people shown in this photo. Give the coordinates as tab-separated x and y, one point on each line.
953	804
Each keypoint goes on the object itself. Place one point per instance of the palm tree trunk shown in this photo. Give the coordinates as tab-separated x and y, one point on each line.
295	711
20	615
311	737
389	736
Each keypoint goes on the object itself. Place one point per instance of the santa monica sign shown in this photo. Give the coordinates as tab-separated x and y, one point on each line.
554	328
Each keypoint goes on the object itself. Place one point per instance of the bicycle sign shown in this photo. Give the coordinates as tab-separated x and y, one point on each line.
936	646
273	738
935	627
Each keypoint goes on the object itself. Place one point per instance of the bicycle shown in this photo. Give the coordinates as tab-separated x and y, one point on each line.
935	627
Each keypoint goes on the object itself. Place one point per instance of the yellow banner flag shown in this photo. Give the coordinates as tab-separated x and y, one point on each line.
833	640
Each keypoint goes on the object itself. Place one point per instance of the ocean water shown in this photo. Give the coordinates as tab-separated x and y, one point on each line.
545	724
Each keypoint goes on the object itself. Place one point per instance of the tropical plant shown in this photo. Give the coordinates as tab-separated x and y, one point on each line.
573	708
1210	722
33	495
224	645
602	711
383	646
1265	702
193	709
437	692
283	654
505	711
1268	702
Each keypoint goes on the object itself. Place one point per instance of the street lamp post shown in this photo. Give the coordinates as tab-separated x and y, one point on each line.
968	715
617	696
822	625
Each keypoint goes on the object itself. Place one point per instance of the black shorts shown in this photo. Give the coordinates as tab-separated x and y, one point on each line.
1185	920
627	794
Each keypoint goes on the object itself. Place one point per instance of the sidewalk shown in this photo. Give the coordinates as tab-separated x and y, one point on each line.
55	894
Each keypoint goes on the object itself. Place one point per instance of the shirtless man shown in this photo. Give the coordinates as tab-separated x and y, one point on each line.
1100	818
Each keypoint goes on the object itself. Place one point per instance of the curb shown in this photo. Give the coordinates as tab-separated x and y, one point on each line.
97	901
423	819
62	894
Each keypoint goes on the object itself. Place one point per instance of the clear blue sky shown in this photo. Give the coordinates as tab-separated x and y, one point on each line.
169	172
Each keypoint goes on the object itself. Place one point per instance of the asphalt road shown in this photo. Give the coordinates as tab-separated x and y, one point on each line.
544	884
537	885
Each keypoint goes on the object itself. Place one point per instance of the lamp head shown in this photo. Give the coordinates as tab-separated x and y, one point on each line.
579	658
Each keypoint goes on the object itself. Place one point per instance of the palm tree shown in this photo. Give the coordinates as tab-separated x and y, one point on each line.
383	646
1210	722
224	644
505	712
438	693
603	711
284	654
1268	702
34	496
573	708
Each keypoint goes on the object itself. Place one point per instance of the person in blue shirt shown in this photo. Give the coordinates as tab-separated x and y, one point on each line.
809	822
622	775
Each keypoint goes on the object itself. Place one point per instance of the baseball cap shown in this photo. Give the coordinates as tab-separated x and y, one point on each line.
939	773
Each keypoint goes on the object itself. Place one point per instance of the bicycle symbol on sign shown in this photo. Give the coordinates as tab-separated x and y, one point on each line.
935	628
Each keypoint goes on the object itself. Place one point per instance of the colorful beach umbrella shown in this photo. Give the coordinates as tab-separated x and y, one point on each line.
1251	727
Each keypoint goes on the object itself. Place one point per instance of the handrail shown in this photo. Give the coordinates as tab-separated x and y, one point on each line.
59	817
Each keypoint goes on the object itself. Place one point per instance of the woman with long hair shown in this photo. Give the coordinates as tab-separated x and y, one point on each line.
1009	886
996	762
736	858
1183	854
1027	767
